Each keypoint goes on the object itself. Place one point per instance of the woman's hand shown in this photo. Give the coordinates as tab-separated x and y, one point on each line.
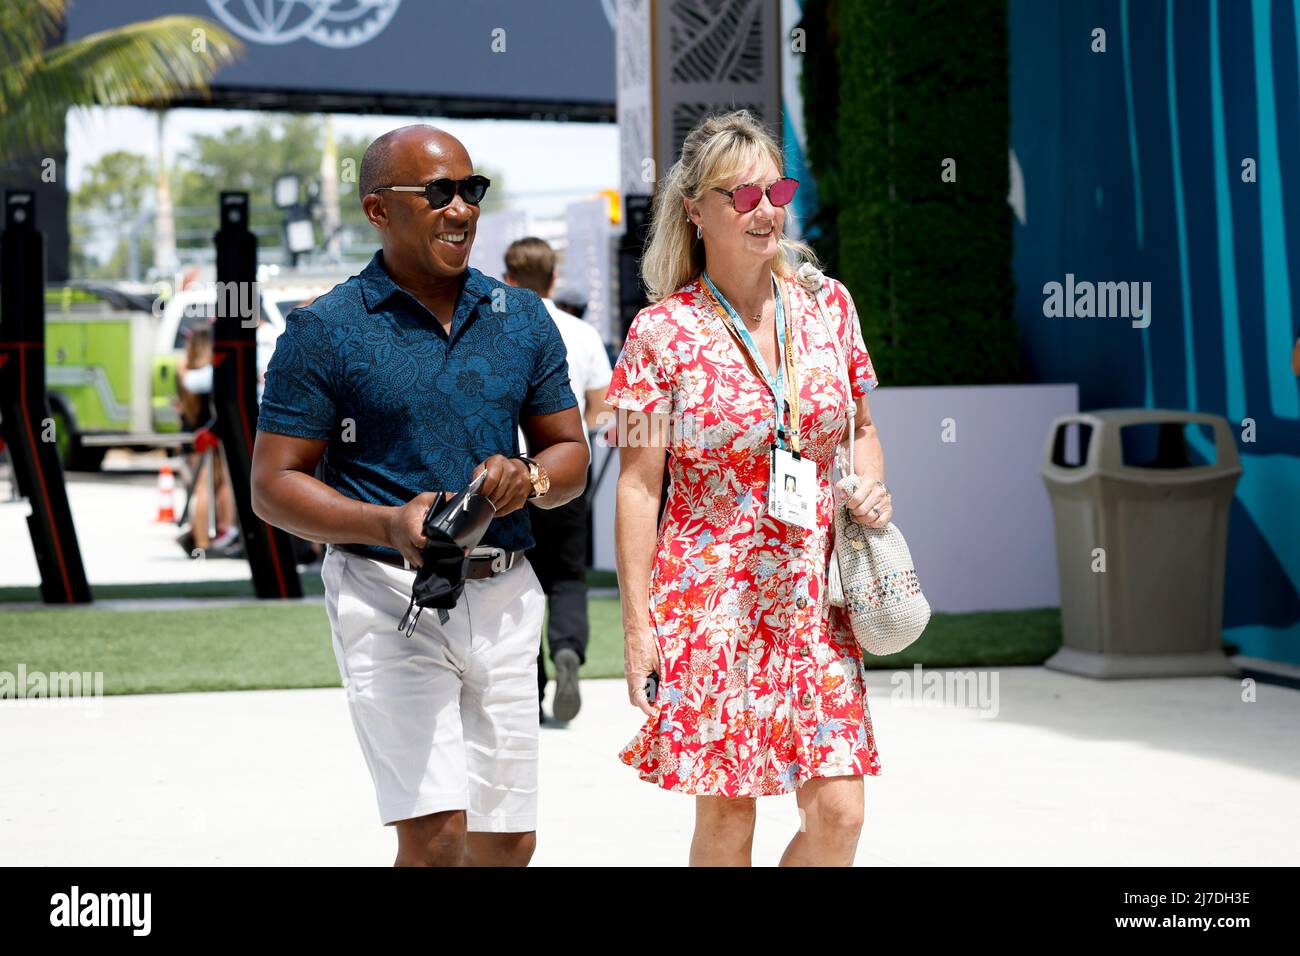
871	504
640	660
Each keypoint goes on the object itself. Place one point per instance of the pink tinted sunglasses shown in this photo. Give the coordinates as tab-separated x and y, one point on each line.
746	197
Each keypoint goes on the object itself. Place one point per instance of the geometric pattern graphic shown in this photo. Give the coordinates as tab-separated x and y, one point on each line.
713	56
716	41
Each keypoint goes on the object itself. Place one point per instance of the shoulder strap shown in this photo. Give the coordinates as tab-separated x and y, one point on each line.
851	424
830	330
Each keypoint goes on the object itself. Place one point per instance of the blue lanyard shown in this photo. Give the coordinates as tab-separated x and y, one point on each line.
777	385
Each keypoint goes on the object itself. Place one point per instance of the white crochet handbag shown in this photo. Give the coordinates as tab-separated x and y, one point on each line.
871	575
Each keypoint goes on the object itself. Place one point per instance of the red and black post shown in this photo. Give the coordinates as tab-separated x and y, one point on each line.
234	395
28	424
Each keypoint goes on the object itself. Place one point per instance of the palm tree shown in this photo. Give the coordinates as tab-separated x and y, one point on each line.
140	64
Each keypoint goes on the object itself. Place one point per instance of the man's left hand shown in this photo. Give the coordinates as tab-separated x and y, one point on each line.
507	483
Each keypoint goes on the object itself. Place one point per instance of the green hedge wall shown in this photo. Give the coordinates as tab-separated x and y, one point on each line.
910	84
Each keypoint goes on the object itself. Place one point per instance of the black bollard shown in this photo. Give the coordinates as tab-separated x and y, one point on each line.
28	422
234	395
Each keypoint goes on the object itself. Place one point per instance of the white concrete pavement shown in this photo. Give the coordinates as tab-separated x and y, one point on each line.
115	513
1063	771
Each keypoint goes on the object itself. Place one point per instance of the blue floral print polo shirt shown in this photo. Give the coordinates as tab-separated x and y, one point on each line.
405	406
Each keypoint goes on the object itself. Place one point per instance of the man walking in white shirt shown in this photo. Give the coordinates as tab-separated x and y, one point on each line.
560	553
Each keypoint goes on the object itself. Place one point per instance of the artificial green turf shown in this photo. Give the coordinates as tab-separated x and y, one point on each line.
283	645
142	652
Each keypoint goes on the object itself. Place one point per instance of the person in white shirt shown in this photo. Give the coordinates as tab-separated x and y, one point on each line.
560	554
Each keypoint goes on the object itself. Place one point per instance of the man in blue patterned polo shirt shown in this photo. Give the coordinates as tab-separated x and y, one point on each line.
402	383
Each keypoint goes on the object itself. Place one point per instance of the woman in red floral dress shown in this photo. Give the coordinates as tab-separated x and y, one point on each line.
761	686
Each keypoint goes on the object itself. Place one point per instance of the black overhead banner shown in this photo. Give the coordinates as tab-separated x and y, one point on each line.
553	59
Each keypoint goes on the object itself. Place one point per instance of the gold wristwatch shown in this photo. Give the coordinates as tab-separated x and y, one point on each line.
541	481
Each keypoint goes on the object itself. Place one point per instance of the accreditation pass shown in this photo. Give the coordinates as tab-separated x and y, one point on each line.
792	494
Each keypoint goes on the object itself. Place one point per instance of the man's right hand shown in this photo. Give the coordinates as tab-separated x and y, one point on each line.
405	528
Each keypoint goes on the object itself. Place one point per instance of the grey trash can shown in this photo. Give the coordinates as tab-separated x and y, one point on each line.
1160	525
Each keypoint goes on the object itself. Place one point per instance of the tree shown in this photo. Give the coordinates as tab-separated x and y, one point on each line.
118	183
247	157
117	190
146	63
250	157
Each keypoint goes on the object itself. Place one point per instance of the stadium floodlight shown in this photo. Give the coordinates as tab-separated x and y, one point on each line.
300	236
285	191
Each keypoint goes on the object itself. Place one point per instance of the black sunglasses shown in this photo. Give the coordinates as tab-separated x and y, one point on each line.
440	192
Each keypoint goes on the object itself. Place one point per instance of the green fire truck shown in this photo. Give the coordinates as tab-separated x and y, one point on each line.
111	363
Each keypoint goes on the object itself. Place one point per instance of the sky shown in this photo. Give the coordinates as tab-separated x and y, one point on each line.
545	165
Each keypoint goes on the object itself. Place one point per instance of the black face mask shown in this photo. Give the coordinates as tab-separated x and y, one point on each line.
453	529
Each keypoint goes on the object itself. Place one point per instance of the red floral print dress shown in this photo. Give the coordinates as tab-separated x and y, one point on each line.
763	685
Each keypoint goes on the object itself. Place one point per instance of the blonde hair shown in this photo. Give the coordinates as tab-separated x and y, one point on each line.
717	149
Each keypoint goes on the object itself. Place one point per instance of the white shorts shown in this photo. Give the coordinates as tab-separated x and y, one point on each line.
446	718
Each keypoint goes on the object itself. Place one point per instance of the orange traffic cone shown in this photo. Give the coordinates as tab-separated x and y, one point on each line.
166	490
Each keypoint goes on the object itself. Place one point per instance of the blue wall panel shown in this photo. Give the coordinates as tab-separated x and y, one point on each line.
1132	161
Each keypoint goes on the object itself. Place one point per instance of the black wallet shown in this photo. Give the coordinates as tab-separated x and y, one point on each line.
453	528
464	519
